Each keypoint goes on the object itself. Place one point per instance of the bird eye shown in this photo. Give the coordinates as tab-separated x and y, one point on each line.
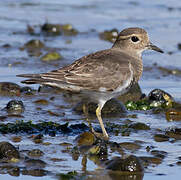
134	39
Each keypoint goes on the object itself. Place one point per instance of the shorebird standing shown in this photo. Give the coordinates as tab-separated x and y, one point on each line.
102	75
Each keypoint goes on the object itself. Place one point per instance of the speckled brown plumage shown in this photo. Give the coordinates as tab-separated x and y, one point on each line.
104	74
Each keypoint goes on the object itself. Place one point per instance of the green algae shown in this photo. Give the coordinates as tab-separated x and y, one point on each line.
42	127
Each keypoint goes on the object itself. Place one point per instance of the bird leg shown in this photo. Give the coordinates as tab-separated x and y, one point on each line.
98	114
85	111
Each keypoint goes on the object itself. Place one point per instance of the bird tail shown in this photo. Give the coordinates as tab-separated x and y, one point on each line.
34	78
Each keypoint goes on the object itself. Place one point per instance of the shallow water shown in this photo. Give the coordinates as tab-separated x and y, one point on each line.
162	21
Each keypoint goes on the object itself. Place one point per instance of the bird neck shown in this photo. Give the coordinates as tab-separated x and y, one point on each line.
131	52
135	60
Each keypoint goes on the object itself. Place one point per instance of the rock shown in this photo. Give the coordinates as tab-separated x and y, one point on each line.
16	138
112	108
35	172
75	153
41	102
8	152
6	46
30	29
166	71
34	44
51	29
100	149
159	154
68	30
9	89
27	90
109	35
130	146
33	47
178	163
58	29
35	163
38	138
161	138
130	164
157	100
179	46
134	94
174	132
160	98
66	144
85	139
14	171
68	176
35	153
139	126
150	160
116	147
15	107
51	56
173	115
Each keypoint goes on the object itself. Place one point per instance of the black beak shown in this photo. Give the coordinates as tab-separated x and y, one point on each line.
153	47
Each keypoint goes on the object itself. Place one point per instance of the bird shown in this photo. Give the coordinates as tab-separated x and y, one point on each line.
102	75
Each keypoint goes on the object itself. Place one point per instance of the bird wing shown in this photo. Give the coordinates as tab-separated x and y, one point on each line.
103	70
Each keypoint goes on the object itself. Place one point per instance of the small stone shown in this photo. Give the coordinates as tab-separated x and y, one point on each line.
174	132
27	90
178	163
35	163
151	160
15	171
57	159
65	144
35	153
170	52
99	149
8	152
16	138
15	107
159	154
112	108
160	98
167	71
133	94
161	138
38	172
109	35
51	56
75	153
38	138
85	139
139	126
6	46
173	115
41	102
51	29
34	44
179	46
9	89
30	29
130	164
68	30
130	146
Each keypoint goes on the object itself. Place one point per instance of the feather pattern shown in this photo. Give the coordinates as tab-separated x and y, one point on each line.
106	69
